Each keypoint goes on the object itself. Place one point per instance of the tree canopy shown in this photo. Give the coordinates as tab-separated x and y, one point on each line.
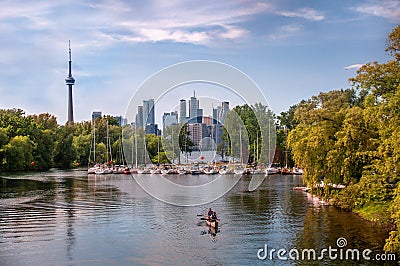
352	137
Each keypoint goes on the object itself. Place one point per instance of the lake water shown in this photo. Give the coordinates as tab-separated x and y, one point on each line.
68	218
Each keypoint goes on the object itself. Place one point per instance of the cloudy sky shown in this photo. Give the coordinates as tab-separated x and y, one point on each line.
291	49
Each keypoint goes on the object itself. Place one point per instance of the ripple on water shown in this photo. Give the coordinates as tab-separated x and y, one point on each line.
69	219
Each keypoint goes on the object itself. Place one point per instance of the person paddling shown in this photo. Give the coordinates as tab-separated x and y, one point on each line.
209	214
214	216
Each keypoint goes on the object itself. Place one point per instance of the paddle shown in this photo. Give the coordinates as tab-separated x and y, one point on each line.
210	220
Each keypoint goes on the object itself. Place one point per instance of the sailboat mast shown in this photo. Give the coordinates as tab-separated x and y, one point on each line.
257	148
173	148
254	151
286	151
241	148
144	148
158	149
94	141
186	144
107	143
133	143
135	147
269	143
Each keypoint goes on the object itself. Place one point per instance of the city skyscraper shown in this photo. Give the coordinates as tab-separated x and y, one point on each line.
139	117
70	81
193	107
170	119
199	118
182	111
148	112
225	110
96	114
219	113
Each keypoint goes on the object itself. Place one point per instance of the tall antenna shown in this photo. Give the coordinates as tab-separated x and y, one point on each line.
70	81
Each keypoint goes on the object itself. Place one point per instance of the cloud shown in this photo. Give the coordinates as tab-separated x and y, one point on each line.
389	9
355	66
306	13
103	23
179	21
286	31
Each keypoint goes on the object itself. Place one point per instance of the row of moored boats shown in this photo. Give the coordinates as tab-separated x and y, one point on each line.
102	169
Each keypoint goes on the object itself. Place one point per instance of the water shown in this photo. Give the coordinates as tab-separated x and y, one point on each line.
68	218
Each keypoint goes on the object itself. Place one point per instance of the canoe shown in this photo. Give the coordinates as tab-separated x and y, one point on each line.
212	224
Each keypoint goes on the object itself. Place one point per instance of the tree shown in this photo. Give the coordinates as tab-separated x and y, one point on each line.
44	143
393	43
170	142
164	157
153	145
82	144
3	136
319	118
65	153
45	121
185	142
17	154
286	119
353	137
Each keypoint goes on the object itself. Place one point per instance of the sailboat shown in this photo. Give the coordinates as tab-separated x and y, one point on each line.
134	142
271	169
286	170
121	168
92	170
104	169
239	169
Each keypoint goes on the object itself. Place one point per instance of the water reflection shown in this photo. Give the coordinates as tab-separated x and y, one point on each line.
68	218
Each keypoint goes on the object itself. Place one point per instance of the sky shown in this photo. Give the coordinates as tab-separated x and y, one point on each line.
291	49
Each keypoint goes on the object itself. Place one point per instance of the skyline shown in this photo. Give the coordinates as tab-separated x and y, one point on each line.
292	50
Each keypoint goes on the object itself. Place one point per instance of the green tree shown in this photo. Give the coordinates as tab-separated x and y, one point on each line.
353	137
45	121
185	142
153	145
164	157
170	142
44	143
3	136
286	119
82	144
65	153
17	154
319	119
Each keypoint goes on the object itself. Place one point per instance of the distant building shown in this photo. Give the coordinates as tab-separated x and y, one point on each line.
145	117
182	112
208	120
199	118
225	110
170	119
193	108
219	113
216	133
96	114
148	112
139	117
152	129
197	132
121	121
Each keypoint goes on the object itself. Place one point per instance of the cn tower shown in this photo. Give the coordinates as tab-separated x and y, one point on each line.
70	81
